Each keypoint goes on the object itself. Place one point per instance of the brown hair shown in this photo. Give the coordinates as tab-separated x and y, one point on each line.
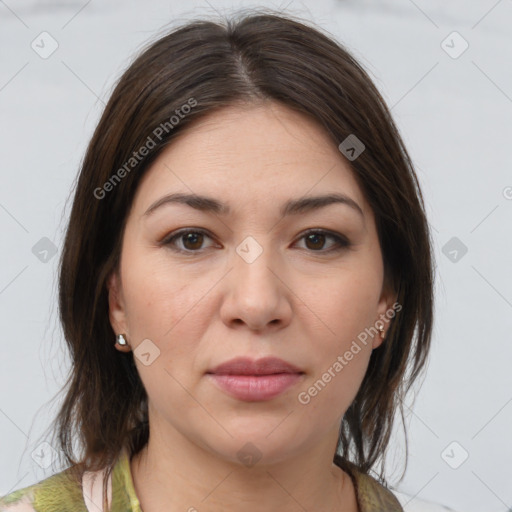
251	57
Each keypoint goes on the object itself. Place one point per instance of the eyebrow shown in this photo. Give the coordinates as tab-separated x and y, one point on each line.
291	207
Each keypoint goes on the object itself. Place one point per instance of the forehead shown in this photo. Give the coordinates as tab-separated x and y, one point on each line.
251	155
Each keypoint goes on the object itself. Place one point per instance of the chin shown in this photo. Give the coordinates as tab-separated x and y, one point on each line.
255	446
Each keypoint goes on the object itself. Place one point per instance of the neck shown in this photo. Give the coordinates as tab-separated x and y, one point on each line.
178	475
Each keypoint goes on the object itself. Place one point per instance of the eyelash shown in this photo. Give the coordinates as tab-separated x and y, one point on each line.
342	242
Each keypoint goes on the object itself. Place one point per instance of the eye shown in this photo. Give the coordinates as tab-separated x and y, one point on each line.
315	239
191	238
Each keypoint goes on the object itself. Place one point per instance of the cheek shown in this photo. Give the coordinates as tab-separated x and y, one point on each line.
342	309
172	309
159	297
346	304
339	369
165	310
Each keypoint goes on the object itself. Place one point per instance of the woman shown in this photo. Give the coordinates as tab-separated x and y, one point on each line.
246	277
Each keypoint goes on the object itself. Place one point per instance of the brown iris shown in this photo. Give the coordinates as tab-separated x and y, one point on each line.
196	239
314	237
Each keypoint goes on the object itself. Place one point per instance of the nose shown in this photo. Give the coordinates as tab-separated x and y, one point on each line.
256	294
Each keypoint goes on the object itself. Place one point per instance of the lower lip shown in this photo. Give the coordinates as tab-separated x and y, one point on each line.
254	388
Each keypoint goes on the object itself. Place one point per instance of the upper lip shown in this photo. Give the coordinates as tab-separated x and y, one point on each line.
248	366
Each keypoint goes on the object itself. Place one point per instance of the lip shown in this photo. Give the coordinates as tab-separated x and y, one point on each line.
248	366
255	380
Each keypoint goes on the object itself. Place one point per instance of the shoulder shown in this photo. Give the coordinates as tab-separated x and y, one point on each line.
372	496
57	492
20	500
72	491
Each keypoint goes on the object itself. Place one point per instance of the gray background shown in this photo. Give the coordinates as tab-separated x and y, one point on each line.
454	110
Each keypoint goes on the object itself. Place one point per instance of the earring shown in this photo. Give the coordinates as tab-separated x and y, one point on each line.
121	340
381	330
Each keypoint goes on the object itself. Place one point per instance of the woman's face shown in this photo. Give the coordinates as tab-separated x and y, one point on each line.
200	285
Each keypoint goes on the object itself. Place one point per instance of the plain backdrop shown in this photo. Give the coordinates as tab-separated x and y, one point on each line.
444	69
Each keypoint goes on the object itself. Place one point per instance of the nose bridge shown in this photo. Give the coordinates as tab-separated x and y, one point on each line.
253	259
255	287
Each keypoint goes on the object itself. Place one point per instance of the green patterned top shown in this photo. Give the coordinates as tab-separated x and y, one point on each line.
58	493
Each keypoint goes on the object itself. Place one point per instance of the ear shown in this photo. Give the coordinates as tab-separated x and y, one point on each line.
386	309
116	305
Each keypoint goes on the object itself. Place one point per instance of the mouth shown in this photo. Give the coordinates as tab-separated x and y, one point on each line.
255	380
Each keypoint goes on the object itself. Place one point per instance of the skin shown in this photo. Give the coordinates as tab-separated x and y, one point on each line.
296	301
